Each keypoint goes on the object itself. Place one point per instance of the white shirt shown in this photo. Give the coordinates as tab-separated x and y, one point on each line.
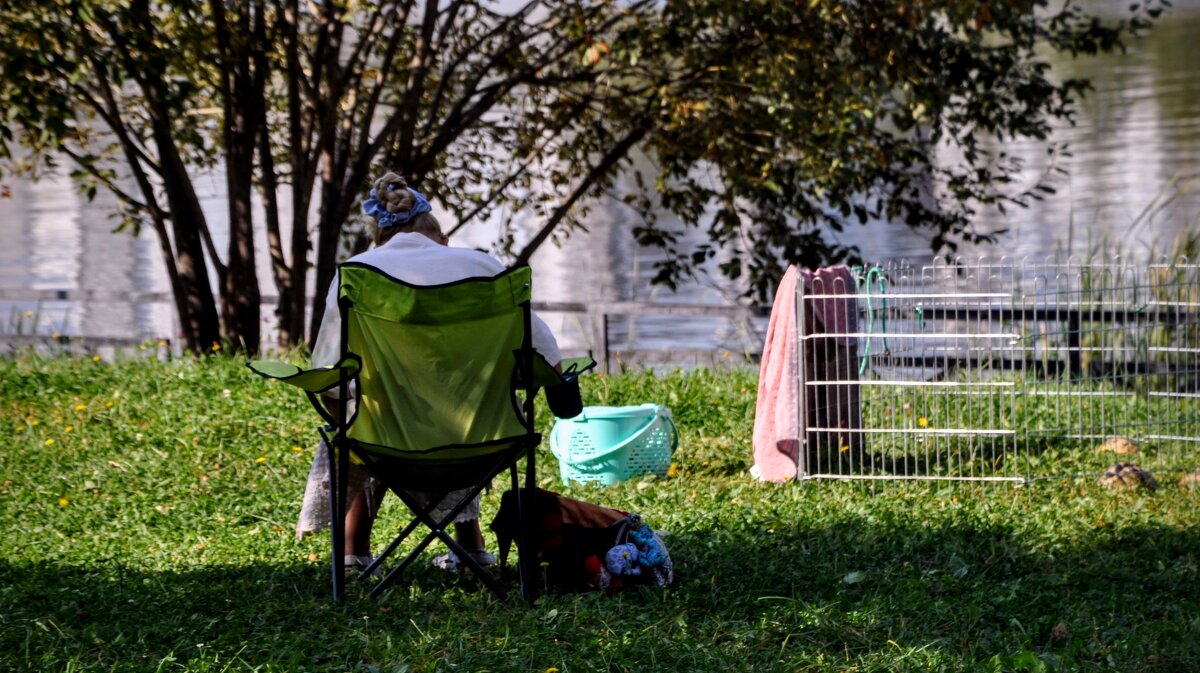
417	259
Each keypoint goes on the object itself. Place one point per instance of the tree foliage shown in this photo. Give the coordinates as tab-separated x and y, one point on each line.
811	118
770	125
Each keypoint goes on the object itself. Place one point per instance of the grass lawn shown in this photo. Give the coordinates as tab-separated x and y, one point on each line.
148	526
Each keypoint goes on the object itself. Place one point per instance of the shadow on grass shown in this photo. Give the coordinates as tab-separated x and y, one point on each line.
967	589
759	596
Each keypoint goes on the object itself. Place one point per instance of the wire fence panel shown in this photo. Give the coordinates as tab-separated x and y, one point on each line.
1008	370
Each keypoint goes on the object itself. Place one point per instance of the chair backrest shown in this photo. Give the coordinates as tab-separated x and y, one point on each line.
438	362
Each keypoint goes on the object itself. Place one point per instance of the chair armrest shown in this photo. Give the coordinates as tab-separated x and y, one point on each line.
562	389
315	380
572	368
546	376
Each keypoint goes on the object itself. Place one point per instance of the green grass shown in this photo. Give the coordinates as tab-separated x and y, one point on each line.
148	526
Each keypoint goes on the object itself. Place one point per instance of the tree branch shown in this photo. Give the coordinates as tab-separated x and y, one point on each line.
467	52
522	170
90	168
414	89
611	158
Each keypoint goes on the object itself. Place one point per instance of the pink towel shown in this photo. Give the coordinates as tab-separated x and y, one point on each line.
778	418
777	414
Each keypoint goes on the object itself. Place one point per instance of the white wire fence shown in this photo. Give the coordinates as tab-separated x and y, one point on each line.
1008	370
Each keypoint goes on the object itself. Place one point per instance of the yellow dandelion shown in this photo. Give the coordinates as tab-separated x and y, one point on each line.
844	448
68	428
922	421
50	442
216	347
673	470
80	407
297	449
95	358
63	502
34	421
108	404
260	459
552	670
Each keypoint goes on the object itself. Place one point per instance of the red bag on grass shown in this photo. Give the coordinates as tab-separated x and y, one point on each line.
568	537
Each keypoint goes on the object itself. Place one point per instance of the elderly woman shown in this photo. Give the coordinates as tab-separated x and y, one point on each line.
409	246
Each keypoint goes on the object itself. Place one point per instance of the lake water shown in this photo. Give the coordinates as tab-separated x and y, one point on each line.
1134	178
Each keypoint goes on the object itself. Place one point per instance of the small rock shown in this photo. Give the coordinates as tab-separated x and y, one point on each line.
1121	446
1128	475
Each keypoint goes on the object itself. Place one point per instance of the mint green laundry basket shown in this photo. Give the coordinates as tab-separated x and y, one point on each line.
606	445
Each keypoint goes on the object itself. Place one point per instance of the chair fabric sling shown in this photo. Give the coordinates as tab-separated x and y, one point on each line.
435	373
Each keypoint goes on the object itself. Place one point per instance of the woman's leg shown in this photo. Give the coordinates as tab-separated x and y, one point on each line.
469	535
360	518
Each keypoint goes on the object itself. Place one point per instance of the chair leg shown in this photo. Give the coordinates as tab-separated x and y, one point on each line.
391	548
530	509
400	567
339	467
438	530
439	533
523	579
421	517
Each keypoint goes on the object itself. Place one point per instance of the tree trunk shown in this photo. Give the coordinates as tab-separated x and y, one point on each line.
177	287
280	271
329	224
201	323
241	299
293	288
241	89
297	298
329	235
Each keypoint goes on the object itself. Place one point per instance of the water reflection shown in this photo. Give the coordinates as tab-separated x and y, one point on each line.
1135	149
1136	159
605	265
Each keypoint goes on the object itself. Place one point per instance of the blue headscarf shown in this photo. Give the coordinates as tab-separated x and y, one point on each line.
388	218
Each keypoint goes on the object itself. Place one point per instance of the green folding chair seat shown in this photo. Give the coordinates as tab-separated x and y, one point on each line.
444	379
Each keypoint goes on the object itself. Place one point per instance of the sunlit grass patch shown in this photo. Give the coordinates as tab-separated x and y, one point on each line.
157	535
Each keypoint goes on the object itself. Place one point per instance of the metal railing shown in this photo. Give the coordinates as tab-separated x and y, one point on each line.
597	315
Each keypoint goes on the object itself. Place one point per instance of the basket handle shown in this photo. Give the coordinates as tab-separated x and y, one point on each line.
555	432
671	422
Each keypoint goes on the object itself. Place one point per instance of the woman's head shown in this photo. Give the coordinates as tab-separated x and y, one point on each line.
398	208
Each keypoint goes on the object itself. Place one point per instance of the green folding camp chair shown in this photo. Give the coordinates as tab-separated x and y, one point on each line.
444	379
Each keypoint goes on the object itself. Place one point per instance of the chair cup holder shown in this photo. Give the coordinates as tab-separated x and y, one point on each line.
564	399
